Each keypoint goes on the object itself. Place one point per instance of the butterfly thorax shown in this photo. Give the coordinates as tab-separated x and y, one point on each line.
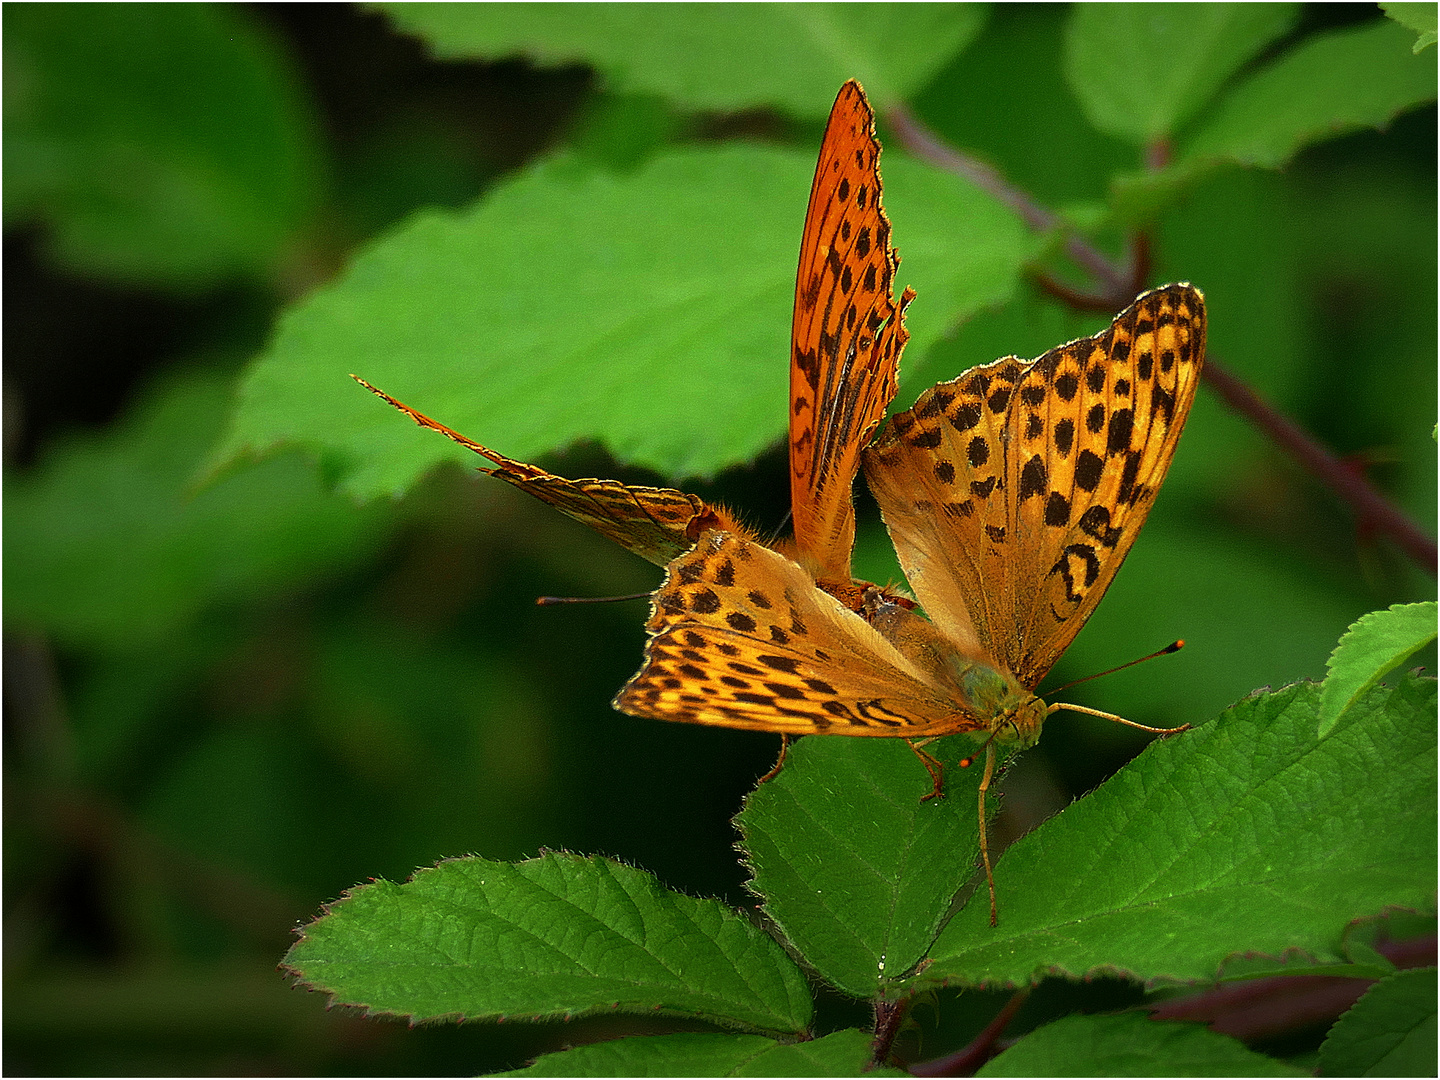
990	699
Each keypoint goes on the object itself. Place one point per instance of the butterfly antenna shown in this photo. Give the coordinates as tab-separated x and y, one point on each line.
546	601
1174	646
1060	705
778	530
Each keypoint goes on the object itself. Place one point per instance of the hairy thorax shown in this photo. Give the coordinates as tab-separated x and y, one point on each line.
989	698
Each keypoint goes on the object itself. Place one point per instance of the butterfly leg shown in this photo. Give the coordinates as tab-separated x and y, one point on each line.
936	770
984	838
784	747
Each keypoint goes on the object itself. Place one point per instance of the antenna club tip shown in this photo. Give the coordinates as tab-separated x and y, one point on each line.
1175	646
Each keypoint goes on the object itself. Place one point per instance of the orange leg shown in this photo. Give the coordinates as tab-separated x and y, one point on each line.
937	771
779	761
984	837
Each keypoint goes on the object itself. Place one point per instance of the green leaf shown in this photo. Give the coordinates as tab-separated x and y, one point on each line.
1329	85
1418	17
1245	968
1244	835
855	870
1391	1031
721	57
107	543
844	1053
1141	70
649	311
1374	645
1130	1045
164	144
557	936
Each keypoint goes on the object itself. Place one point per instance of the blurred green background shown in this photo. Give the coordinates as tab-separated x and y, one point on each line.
230	695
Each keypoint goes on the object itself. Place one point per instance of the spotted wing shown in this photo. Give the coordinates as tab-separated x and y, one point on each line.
846	336
741	637
657	524
1013	493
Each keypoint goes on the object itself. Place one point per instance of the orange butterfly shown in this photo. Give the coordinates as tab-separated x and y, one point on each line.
847	336
1012	495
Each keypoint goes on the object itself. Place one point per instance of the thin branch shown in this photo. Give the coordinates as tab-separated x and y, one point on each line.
888	1015
925	144
1270	1007
982	1048
1370	507
1073	298
1372	510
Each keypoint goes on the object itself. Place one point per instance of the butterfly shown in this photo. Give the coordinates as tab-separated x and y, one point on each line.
846	339
1012	494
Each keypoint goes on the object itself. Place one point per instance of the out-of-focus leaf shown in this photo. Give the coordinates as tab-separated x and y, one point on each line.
1245	835
1391	1031
1142	70
650	312
855	870
844	1053
556	936
714	56
108	542
1372	648
164	144
1418	17
1130	1045
1329	85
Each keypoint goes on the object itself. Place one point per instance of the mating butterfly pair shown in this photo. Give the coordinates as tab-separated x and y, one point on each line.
1012	495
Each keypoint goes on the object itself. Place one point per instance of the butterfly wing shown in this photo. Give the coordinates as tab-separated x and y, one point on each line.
741	637
657	524
846	337
1014	492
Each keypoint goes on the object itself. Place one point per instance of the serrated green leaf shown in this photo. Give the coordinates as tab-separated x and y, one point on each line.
1130	1045
1365	955
649	311
714	56
1329	85
1141	70
1418	17
855	870
1391	1031
1374	645
165	144
107	542
1244	835
556	936
844	1053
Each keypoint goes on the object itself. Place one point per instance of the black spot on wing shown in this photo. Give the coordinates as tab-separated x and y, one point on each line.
1033	478
738	620
1088	469
1057	510
1064	436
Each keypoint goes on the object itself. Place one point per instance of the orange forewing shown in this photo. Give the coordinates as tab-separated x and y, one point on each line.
846	337
658	524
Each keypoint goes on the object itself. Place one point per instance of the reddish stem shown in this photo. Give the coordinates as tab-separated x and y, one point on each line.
1265	1008
1371	509
924	143
967	1062
888	1015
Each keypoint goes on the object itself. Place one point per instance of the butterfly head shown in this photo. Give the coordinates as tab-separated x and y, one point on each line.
1018	721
